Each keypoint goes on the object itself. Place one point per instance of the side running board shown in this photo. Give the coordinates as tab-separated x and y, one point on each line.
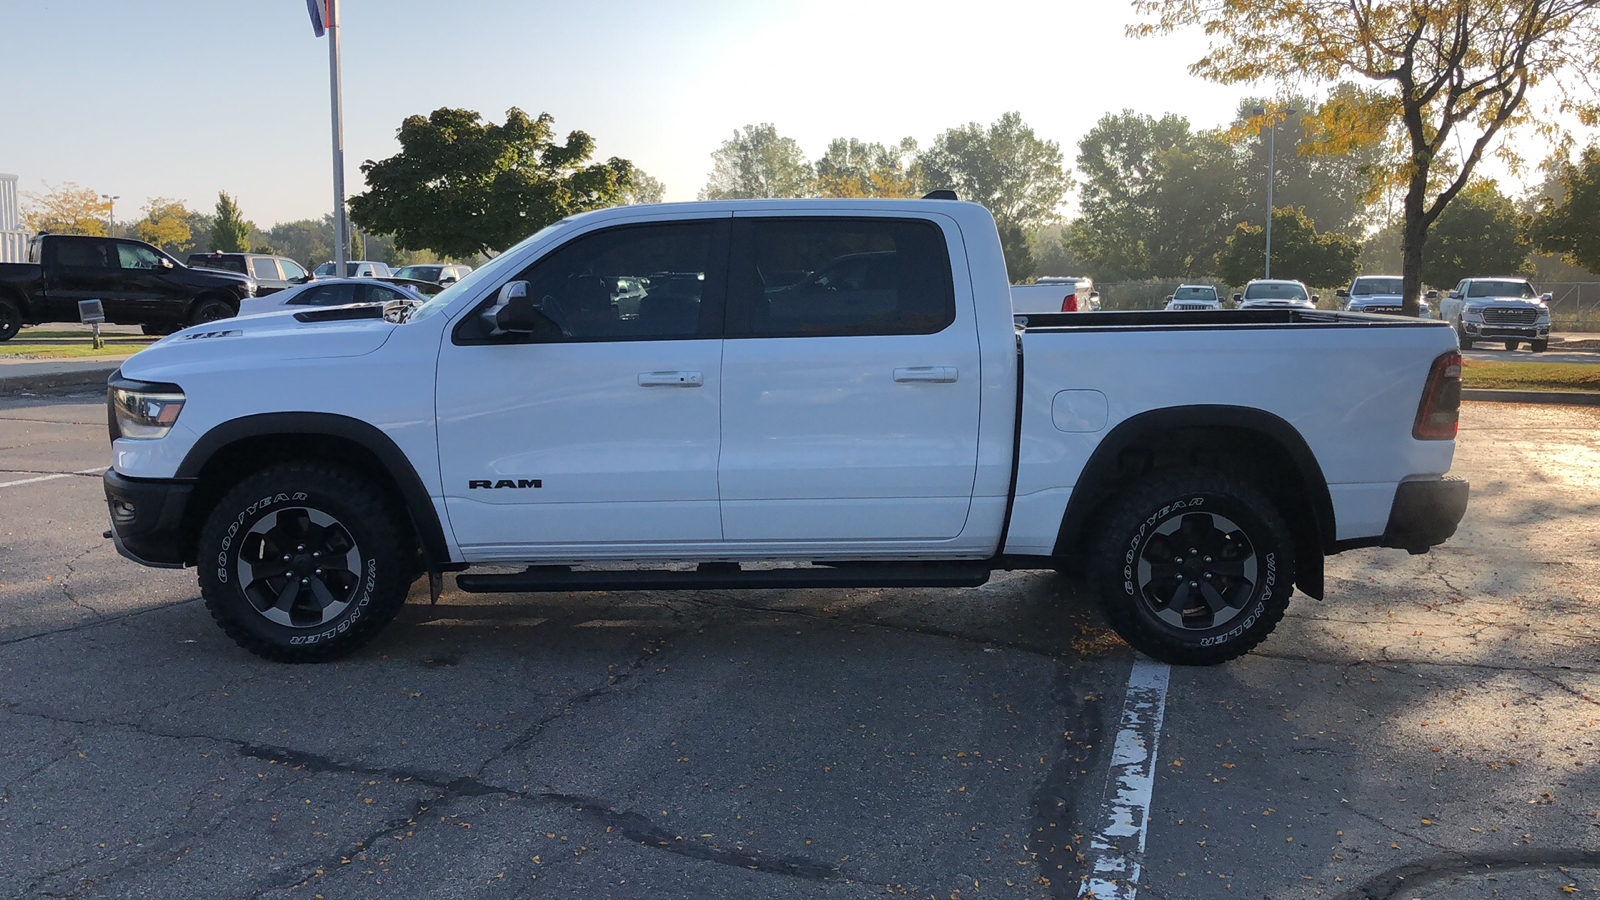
542	579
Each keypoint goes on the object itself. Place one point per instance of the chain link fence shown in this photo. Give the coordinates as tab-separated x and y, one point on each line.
1574	305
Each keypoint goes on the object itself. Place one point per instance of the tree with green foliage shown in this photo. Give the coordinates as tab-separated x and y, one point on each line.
230	233
1299	252
1446	78
854	168
1156	198
1007	168
1481	233
757	163
644	188
461	186
1569	226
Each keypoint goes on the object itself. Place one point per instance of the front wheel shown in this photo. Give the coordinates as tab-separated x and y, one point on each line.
10	319
210	310
303	562
1539	346
1193	567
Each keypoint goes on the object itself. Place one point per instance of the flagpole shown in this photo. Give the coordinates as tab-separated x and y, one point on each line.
336	89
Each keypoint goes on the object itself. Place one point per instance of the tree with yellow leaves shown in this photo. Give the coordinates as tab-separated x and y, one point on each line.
1447	77
166	224
68	209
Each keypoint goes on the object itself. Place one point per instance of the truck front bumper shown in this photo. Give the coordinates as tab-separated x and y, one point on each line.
147	518
1425	514
1526	332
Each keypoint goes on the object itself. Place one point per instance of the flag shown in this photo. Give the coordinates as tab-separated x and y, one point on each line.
319	15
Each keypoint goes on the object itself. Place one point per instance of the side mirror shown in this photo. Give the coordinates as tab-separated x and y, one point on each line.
1169	298
1431	295
1315	299
1455	295
448	279
1547	297
1237	297
1341	292
513	312
163	262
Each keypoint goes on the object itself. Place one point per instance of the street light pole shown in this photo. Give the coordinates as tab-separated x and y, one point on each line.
336	89
1272	133
111	221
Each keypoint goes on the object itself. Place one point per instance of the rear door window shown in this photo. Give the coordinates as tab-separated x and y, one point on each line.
264	268
818	277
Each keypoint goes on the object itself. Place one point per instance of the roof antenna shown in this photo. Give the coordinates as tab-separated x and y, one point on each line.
940	195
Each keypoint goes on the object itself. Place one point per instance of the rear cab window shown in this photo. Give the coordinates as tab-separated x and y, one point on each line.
819	277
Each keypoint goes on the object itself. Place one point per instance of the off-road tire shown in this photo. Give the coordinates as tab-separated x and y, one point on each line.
252	519
1539	346
10	319
210	309
1133	532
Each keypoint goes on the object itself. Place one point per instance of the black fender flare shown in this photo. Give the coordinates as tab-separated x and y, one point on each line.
1103	464
430	531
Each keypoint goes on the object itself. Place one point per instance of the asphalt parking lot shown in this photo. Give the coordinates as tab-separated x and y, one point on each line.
1428	731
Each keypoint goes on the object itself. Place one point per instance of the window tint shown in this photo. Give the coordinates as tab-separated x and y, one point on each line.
133	256
291	270
636	282
226	263
264	268
86	254
326	295
1275	291
856	276
377	294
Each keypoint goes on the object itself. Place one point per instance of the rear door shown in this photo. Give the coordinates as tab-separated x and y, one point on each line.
82	268
850	382
600	440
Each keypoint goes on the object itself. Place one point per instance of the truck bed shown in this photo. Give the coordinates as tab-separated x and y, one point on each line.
1161	320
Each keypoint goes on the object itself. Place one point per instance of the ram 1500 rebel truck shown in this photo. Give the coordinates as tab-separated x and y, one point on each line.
749	425
136	283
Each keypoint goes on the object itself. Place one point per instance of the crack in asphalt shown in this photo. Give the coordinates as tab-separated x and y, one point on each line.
1053	813
1388	885
104	620
1400	831
71	571
332	862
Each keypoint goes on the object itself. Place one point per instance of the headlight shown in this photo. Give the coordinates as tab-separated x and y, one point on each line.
144	412
250	288
1473	312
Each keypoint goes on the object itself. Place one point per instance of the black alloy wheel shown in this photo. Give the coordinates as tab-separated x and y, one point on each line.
10	319
1193	566
305	561
210	310
299	567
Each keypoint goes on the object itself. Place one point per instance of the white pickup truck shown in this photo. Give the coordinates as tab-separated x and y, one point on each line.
797	394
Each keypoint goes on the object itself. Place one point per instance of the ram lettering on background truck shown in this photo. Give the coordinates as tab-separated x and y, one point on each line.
838	387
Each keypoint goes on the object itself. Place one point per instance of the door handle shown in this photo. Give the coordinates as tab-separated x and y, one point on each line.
932	374
671	379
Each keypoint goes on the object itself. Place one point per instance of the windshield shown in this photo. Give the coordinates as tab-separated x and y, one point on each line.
1195	293
421	273
1518	289
1274	291
1364	286
489	272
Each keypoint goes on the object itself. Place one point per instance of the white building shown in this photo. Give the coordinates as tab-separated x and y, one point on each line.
13	243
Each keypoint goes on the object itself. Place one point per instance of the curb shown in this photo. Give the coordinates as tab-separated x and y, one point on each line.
96	377
1564	398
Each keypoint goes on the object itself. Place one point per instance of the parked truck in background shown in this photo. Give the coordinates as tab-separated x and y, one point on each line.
136	283
751	425
1507	310
1055	294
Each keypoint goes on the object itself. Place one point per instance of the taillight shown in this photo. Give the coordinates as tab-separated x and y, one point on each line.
1439	415
1069	303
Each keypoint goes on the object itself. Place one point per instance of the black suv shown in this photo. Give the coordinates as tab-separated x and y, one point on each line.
135	283
272	273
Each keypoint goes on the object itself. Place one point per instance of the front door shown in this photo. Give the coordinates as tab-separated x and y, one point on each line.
850	383
147	294
601	440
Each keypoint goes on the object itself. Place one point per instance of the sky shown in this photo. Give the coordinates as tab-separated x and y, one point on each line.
185	98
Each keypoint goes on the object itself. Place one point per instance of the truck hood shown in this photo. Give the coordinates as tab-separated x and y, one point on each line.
1511	302
259	341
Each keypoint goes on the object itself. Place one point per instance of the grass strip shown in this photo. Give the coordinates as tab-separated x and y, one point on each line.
1530	376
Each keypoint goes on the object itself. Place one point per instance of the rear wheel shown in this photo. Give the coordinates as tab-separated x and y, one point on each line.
303	562
1193	567
10	319
210	309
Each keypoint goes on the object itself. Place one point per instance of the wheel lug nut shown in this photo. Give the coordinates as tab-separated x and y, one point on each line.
1208	559
286	557
1177	560
1193	552
1194	584
305	581
1208	575
319	572
318	555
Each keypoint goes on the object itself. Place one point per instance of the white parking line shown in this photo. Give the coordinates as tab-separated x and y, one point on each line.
94	471
1114	861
